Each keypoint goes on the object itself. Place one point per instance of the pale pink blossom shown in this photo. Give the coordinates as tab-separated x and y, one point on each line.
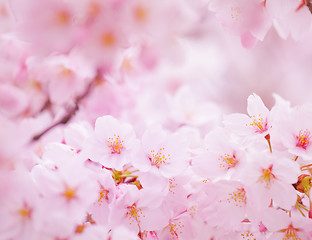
51	30
161	152
112	143
271	178
19	206
290	17
139	210
295	132
248	19
221	158
283	226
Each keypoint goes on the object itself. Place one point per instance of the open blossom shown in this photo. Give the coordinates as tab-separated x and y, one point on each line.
257	122
221	157
161	152
100	209
246	18
112	143
230	203
295	132
51	30
271	178
285	227
139	210
67	189
19	204
290	17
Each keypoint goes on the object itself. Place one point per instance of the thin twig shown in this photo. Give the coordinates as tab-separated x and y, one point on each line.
71	110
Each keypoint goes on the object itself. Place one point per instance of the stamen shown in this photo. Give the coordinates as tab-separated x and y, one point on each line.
228	161
238	198
248	236
259	124
25	212
115	144
175	228
158	158
135	214
303	139
267	177
291	233
103	195
69	194
140	13
108	39
62	18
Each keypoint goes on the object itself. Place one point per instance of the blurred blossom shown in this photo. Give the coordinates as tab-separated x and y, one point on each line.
155	120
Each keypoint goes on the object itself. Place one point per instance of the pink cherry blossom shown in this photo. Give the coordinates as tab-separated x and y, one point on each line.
272	177
248	19
163	152
221	156
112	143
297	137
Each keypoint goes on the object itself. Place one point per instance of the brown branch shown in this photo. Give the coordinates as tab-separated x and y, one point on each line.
72	109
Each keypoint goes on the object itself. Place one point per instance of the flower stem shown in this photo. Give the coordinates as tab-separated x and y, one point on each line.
268	137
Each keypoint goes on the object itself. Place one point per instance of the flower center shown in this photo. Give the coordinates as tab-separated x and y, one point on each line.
267	176
238	197
103	195
248	236
235	12
158	158
25	212
175	228
115	144
69	194
135	213
291	233
259	124
62	18
140	13
108	39
172	185
303	139
227	161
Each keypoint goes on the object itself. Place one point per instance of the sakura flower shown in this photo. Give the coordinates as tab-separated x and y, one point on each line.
51	30
69	188
179	227
295	132
230	203
99	210
284	227
112	143
161	152
6	17
242	17
258	122
220	157
271	178
290	17
104	39
19	206
138	210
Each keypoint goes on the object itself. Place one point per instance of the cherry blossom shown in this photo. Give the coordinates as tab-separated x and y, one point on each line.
112	143
127	119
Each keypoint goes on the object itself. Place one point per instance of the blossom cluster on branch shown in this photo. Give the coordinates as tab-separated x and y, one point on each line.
111	129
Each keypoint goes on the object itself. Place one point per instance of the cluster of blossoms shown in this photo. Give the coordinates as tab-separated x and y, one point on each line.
249	178
101	141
